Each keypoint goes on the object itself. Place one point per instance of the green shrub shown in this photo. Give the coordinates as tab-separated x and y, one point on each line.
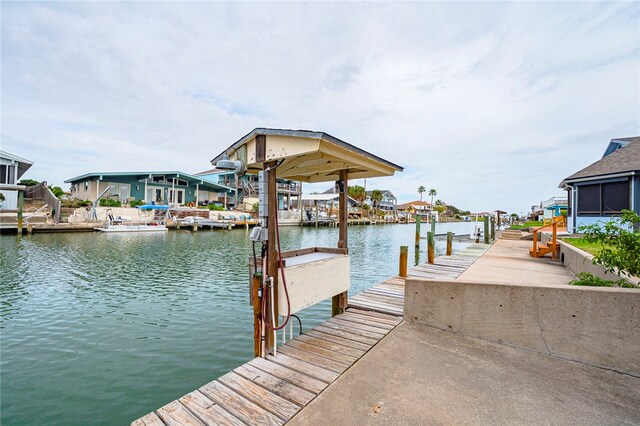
110	202
587	279
256	207
136	203
75	203
57	191
620	243
216	207
28	182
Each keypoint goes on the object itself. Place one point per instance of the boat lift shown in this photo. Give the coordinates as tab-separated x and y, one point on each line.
283	283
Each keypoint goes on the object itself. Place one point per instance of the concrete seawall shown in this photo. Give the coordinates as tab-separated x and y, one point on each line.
595	326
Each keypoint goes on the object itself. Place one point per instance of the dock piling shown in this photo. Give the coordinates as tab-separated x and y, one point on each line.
418	231
402	269
20	208
431	247
493	228
449	243
486	229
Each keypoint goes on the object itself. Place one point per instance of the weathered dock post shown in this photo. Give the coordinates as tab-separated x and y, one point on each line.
339	302
402	268
418	231
177	224
493	228
20	208
29	229
194	227
431	247
486	229
433	225
449	243
256	284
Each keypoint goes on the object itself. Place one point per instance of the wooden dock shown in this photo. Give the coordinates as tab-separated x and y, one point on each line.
272	390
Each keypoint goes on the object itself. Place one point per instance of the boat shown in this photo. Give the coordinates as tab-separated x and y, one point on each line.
119	224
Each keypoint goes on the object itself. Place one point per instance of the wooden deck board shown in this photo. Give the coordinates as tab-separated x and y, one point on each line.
208	411
176	414
278	386
271	390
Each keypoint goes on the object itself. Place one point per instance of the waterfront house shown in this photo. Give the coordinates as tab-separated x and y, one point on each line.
554	206
606	187
12	168
247	188
389	201
418	207
164	187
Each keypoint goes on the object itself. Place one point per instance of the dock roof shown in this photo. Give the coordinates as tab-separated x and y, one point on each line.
306	156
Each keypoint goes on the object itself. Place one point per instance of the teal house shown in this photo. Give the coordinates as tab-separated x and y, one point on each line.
164	187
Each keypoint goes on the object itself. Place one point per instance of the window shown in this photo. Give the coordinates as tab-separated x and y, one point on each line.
615	197
157	179
11	175
181	182
3	174
589	199
603	199
569	201
86	185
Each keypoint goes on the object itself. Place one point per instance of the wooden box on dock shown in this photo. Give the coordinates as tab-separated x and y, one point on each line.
313	275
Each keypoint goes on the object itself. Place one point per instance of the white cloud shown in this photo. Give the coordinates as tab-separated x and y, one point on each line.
492	104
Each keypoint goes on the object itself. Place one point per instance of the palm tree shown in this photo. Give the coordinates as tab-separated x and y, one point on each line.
376	197
433	193
421	189
357	193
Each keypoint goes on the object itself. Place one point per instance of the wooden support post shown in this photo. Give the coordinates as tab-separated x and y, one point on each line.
449	243
431	247
402	268
256	283
195	227
315	203
554	241
20	209
486	229
272	254
339	302
493	228
433	224
418	219
29	229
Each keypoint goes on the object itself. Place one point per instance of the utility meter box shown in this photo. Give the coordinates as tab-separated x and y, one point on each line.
313	275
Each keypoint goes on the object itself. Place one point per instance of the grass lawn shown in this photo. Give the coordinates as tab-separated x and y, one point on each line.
582	244
531	224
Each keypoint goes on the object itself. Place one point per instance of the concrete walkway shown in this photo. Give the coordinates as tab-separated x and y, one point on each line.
421	375
508	261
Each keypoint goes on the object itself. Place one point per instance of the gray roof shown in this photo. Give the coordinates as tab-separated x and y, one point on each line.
624	160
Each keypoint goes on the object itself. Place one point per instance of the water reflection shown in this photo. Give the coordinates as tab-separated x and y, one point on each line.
94	322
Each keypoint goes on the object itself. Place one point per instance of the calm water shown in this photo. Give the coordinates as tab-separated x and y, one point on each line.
101	329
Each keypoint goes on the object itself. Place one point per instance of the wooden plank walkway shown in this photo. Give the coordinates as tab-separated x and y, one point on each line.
272	390
388	296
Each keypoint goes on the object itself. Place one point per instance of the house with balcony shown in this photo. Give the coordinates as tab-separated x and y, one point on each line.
606	187
417	207
289	192
389	202
12	168
163	187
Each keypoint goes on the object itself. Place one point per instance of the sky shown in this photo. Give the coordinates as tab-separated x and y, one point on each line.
490	103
